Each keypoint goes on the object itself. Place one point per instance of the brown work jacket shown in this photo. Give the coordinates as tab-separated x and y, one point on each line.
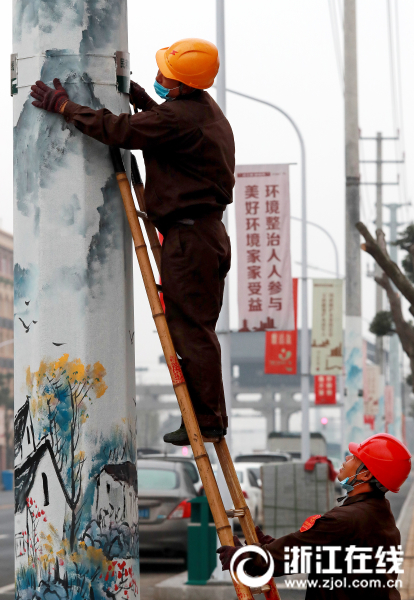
188	149
365	521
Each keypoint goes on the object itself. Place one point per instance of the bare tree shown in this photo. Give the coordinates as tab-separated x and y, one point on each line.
403	283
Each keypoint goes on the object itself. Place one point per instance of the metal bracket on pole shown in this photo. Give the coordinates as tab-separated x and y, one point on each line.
236	512
122	60
260	590
13	74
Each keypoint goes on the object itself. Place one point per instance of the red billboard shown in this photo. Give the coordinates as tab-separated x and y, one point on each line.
281	346
325	389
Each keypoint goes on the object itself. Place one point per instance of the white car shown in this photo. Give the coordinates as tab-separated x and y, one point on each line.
251	484
249	477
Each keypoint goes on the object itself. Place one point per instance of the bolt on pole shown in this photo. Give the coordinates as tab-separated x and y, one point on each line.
75	418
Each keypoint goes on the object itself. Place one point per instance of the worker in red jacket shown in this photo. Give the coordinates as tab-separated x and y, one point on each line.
189	155
354	549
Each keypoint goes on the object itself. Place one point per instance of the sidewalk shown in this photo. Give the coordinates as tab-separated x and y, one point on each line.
405	524
6	499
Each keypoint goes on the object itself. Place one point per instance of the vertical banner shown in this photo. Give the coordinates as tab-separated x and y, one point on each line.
389	405
263	247
326	349
325	389
371	377
281	346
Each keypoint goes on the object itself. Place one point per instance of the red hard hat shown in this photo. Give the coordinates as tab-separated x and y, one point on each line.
386	457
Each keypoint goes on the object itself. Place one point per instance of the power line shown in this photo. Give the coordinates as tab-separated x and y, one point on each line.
365	195
336	42
396	96
399	83
340	7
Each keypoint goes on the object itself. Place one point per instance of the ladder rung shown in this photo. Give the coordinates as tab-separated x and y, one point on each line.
236	512
212	440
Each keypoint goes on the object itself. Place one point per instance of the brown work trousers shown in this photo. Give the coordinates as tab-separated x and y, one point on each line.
195	261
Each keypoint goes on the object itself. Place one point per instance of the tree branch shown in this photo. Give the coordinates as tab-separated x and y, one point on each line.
404	330
380	255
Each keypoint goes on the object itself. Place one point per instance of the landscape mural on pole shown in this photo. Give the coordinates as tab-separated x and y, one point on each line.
76	510
82	552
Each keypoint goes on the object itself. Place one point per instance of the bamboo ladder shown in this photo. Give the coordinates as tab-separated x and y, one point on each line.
220	515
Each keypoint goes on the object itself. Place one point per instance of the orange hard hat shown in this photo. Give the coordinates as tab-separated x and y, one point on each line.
191	61
386	457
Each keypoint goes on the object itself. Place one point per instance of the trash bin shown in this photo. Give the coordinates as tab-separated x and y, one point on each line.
201	552
7	478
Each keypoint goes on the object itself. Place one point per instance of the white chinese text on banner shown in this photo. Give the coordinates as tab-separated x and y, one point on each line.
327	346
263	248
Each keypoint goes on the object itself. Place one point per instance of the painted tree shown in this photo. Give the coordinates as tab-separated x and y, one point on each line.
393	321
61	392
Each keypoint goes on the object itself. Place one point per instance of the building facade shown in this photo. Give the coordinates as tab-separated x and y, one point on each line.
6	350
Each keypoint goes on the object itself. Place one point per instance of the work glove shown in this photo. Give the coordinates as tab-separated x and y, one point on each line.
48	98
138	96
226	553
263	538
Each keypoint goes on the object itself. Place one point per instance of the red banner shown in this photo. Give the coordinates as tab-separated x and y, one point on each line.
161	238
370	420
281	346
325	389
389	405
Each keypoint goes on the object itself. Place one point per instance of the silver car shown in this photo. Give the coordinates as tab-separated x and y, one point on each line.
164	491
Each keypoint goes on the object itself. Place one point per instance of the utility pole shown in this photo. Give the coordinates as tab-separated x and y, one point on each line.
74	323
223	325
379	304
395	380
353	321
379	350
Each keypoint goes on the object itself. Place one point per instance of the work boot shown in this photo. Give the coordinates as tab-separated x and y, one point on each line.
180	437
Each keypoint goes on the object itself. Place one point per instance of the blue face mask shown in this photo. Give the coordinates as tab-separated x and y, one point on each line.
344	483
348	487
163	91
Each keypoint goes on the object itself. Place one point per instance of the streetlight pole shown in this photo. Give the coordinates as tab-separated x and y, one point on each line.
305	332
340	377
221	46
335	247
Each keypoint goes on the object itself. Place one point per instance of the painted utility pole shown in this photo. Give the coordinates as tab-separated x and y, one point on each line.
353	321
223	325
75	415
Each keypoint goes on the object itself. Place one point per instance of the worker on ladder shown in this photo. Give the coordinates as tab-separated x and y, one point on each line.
361	529
189	155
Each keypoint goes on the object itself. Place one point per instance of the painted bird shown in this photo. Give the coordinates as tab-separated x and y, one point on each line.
27	327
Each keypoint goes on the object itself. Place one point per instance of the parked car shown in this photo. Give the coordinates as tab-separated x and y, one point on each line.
263	457
188	462
164	491
291	442
248	474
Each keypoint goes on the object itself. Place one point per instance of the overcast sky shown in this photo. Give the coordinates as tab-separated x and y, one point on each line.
283	52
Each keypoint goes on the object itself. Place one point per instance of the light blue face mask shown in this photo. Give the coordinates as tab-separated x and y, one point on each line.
163	91
344	483
349	487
